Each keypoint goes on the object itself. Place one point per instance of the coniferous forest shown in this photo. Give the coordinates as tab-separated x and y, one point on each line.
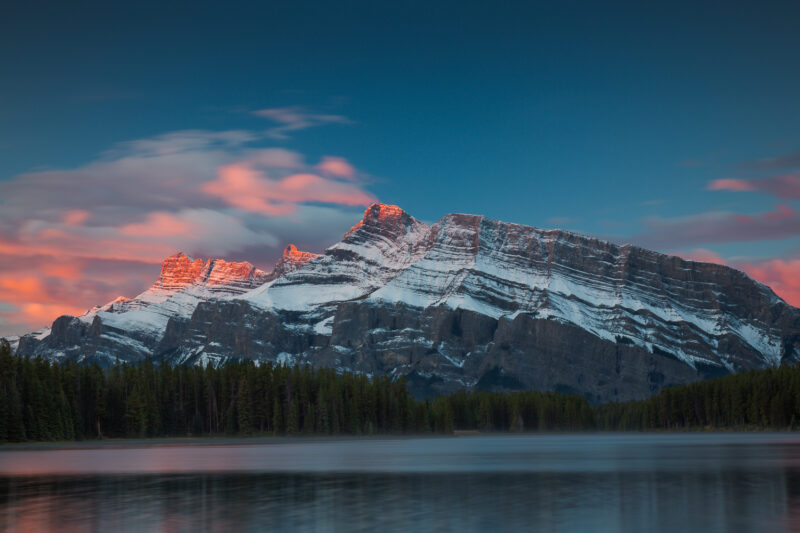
44	401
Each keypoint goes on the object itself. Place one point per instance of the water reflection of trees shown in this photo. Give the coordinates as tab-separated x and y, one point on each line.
735	499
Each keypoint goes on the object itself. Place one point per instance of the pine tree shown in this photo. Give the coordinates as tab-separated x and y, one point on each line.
277	418
16	420
244	408
293	420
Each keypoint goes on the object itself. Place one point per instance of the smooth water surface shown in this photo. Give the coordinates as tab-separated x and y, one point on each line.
606	482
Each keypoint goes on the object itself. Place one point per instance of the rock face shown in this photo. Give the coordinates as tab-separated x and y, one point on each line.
291	260
466	303
129	329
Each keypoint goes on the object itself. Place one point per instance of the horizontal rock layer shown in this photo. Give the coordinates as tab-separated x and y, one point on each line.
466	303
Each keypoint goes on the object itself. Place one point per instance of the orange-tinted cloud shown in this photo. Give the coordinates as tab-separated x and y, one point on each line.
703	255
36	289
69	271
785	186
719	227
33	301
74	238
158	224
242	186
783	275
45	313
337	166
75	217
729	184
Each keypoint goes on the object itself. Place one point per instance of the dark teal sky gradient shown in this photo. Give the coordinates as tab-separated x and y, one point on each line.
518	111
607	120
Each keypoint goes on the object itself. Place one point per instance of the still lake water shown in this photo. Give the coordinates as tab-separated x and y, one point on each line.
586	482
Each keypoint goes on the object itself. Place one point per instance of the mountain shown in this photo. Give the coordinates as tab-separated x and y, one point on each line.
465	303
130	329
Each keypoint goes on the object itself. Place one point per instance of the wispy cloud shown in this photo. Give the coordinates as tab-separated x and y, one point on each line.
782	162
74	238
250	189
782	275
785	186
730	184
704	255
337	166
719	227
296	118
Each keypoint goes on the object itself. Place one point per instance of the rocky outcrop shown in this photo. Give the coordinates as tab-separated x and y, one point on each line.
130	329
291	260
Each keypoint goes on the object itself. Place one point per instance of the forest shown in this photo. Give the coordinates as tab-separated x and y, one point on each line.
44	401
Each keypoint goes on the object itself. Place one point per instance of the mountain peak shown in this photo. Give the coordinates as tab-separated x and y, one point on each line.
179	256
292	254
291	260
180	270
462	301
379	213
385	217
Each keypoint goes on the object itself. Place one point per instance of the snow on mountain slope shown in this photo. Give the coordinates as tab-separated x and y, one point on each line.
182	284
466	302
501	269
131	328
618	293
383	244
291	260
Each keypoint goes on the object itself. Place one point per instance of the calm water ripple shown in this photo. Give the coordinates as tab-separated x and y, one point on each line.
686	482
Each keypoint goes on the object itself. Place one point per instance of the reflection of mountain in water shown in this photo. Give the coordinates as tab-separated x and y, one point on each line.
578	483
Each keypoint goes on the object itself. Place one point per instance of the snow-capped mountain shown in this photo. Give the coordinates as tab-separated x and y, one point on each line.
468	302
129	329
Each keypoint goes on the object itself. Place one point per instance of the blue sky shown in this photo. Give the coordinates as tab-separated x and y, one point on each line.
615	121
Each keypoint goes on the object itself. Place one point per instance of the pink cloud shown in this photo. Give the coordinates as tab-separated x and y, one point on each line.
38	289
337	166
76	217
783	275
92	233
69	271
785	186
35	301
29	315
252	190
703	255
60	269
157	224
730	185
719	227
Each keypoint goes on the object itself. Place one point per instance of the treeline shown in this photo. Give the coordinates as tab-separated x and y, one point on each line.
757	399
41	401
44	401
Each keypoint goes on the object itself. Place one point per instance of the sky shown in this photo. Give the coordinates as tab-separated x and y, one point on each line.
131	132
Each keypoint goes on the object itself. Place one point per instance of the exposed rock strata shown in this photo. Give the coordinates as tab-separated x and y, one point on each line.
467	302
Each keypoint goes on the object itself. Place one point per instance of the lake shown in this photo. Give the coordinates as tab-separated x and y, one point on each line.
576	482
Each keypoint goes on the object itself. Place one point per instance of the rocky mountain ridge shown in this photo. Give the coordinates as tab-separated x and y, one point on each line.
465	303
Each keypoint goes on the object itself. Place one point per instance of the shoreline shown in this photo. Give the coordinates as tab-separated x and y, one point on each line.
210	441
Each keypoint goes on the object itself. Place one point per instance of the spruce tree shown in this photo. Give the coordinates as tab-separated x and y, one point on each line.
244	408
